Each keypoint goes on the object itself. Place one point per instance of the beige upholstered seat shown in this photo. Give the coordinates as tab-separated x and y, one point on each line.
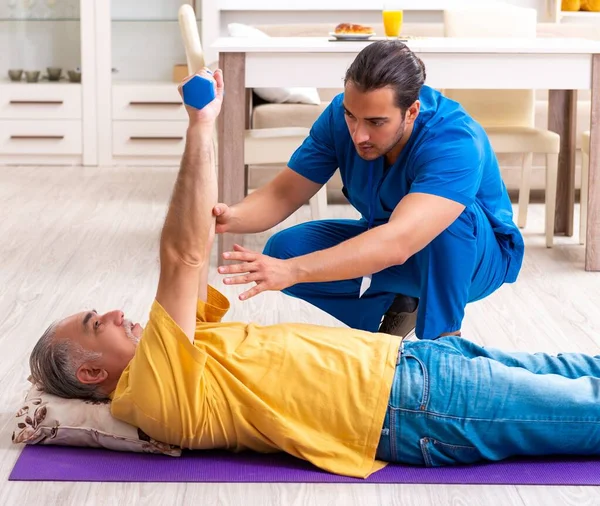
585	174
508	115
286	115
276	146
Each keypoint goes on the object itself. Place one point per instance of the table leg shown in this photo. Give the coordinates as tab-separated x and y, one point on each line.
562	110
592	242
232	122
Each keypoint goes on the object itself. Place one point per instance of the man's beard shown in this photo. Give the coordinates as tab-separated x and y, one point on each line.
128	326
384	151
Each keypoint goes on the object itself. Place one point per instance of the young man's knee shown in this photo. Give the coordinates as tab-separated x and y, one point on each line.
283	244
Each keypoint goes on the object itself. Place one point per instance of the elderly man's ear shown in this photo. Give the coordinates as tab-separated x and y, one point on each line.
90	374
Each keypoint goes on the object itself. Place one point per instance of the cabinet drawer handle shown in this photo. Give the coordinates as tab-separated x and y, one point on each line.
37	137
150	138
177	104
36	102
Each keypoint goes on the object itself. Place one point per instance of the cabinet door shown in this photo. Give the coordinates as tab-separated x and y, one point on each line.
147	102
44	137
40	101
149	138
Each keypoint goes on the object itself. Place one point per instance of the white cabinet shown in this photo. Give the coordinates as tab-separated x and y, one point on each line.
145	120
40	101
147	101
155	139
50	119
557	15
41	137
148	123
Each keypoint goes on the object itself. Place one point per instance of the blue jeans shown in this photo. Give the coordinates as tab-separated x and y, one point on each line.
463	264
454	402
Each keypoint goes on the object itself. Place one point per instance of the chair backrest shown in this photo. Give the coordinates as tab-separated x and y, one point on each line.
494	107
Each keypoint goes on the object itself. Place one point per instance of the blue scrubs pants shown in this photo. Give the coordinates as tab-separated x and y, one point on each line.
463	264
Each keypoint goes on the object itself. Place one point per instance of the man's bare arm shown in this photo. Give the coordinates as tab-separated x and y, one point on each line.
189	224
269	205
203	281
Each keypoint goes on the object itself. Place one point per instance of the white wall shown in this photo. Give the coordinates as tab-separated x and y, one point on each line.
146	9
540	5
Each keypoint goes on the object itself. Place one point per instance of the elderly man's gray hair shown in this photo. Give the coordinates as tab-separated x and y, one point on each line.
54	365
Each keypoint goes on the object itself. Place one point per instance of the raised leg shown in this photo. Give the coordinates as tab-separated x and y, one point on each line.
562	108
592	244
232	122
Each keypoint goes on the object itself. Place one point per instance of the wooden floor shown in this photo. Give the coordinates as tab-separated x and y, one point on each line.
74	238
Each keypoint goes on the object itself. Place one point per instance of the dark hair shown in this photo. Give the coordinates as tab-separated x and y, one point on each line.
388	63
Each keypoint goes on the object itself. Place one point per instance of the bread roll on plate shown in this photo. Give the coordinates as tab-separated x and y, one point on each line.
352	31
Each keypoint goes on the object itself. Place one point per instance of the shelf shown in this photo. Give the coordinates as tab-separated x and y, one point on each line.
131	82
155	20
5	80
343	5
37	20
579	14
125	20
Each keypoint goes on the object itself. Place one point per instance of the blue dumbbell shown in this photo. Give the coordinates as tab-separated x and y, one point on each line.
198	92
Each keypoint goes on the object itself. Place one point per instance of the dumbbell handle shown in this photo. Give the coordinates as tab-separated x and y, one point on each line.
191	38
198	91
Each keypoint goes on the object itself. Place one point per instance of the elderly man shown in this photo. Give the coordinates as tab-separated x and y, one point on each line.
346	400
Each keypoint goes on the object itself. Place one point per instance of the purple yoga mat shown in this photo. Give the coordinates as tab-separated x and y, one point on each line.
57	463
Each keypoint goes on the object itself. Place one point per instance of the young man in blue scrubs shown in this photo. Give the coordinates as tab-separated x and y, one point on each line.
436	230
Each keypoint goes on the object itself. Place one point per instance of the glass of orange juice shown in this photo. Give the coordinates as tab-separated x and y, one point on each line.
392	19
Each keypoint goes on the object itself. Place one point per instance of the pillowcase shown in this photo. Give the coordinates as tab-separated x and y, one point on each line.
275	95
51	420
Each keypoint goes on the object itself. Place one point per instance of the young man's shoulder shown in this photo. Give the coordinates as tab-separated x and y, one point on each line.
441	117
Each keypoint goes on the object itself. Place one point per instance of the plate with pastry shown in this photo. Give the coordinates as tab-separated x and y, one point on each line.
352	31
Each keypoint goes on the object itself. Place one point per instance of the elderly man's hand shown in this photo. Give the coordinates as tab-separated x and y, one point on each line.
209	113
267	272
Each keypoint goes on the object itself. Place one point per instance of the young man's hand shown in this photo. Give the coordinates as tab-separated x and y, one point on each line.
209	113
225	218
267	272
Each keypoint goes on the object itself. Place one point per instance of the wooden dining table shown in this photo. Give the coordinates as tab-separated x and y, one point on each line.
562	66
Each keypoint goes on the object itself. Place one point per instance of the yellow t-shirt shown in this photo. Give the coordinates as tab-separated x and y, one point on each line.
316	392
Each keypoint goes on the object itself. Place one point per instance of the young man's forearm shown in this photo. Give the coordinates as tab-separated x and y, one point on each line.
260	211
189	223
273	203
367	253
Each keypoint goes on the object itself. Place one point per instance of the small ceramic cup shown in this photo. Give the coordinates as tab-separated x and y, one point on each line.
15	74
54	73
74	76
32	76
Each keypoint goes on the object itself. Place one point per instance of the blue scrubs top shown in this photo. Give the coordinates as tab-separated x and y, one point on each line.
448	154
